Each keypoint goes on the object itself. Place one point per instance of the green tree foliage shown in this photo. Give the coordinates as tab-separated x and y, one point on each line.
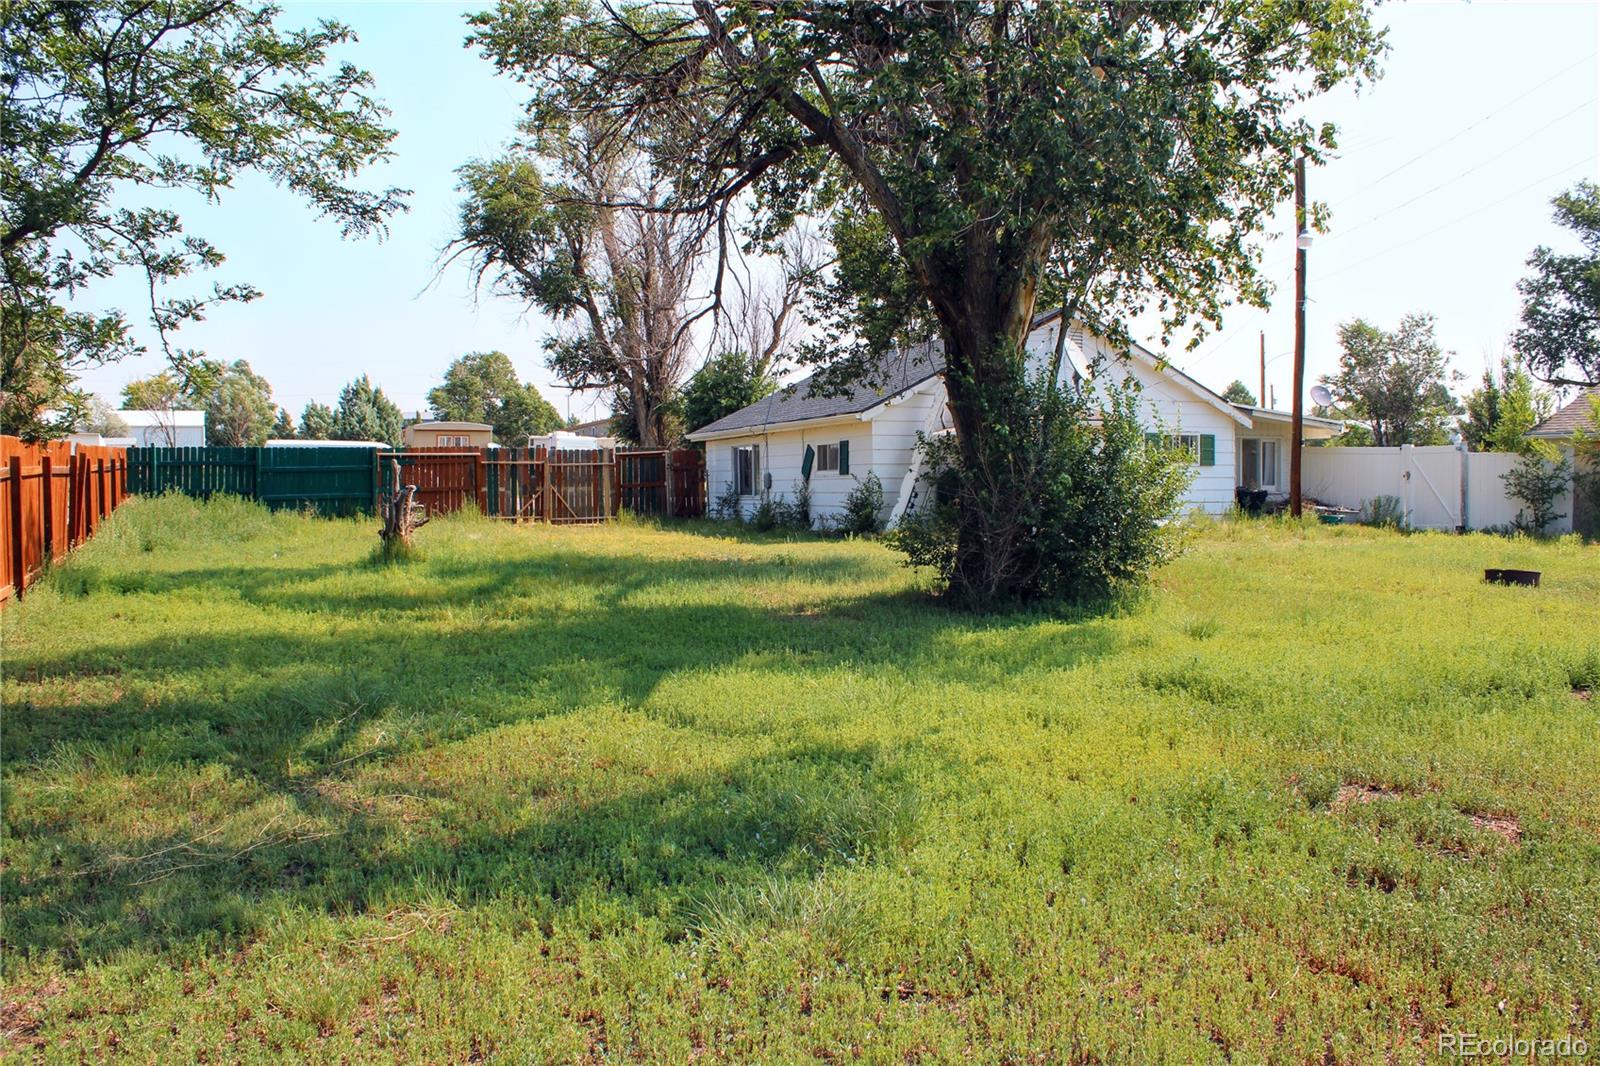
365	413
1538	482
723	385
283	425
165	391
1397	382
106	99
100	417
1087	545
1560	334
239	408
1239	392
971	161
483	387
1502	410
669	426
316	422
623	276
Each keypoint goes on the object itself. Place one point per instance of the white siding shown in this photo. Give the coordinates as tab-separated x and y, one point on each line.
1171	404
894	437
783	450
884	442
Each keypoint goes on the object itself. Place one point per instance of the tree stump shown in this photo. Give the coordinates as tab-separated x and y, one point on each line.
400	512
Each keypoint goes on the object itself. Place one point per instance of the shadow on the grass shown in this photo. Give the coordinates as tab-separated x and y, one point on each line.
298	710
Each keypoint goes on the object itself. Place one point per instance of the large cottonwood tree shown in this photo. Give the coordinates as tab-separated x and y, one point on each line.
1110	156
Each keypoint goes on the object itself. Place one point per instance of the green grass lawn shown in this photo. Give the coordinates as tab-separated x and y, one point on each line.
641	794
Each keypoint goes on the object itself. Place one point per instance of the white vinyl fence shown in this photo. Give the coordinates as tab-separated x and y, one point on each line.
1441	487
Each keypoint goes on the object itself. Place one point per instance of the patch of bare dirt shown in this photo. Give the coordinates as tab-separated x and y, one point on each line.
1504	825
1582	692
1362	792
19	1017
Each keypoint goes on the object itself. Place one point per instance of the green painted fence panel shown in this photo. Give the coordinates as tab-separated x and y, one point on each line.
334	481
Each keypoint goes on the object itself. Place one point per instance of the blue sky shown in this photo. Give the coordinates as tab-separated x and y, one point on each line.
1440	192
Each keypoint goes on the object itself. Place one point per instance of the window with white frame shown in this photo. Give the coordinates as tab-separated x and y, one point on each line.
1189	442
747	469
1259	459
450	441
828	458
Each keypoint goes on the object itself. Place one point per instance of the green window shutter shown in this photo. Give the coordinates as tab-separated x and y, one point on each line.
1208	449
844	457
805	464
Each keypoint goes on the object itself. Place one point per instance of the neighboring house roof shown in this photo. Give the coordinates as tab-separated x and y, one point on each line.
895	373
139	419
1266	414
465	427
595	427
1567	421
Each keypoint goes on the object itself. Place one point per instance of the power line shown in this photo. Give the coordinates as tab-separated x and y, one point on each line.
1501	154
1507	105
1461	218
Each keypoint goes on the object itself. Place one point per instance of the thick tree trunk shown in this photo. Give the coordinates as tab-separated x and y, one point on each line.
985	379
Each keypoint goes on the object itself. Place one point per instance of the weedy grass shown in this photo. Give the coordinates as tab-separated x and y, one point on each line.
651	793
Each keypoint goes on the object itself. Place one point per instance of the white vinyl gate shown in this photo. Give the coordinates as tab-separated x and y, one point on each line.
1439	487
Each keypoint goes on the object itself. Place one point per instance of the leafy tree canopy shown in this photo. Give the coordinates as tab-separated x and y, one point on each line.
1560	334
364	413
106	101
100	417
283	425
239	408
1503	409
164	391
722	386
971	159
483	387
1239	392
316	422
1397	382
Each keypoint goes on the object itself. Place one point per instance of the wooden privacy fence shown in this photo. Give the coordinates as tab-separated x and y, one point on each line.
519	484
556	485
333	481
53	496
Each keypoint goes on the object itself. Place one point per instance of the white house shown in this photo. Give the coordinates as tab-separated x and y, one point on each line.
832	442
166	429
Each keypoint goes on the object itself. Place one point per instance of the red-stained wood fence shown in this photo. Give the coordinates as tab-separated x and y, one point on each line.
558	486
53	496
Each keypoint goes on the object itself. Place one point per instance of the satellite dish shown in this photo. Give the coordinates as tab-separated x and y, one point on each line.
1321	396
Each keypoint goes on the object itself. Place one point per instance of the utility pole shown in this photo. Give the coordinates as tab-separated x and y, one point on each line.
1297	439
1262	395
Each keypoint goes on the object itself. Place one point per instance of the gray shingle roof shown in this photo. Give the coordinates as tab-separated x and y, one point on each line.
1567	420
897	372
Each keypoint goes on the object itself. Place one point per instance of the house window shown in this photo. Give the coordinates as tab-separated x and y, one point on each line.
747	469
828	458
447	441
1202	447
1189	442
1260	463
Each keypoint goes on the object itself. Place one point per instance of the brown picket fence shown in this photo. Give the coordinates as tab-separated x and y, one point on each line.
53	496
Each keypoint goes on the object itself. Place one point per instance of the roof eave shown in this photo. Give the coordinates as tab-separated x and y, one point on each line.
763	428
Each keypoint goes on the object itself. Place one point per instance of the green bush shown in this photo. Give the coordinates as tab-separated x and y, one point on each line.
1384	512
1099	500
778	512
728	503
863	509
1537	483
